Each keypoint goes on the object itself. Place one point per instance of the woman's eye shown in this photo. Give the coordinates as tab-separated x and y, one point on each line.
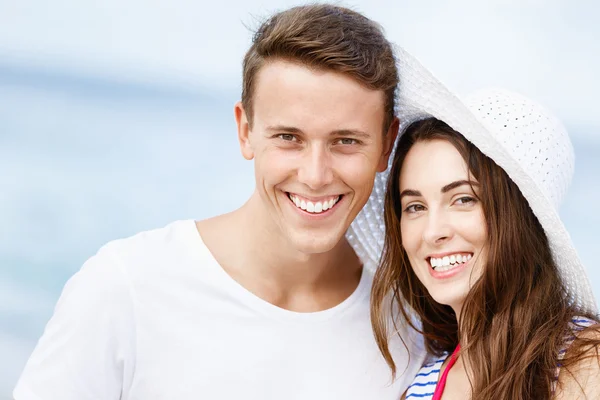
413	208
465	200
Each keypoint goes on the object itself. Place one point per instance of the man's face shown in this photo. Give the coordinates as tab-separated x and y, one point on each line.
317	142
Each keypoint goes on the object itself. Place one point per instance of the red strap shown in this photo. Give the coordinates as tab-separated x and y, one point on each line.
439	388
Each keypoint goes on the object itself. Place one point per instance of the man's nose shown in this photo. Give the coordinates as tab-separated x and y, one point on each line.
315	170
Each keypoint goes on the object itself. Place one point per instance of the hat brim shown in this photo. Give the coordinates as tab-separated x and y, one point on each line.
421	95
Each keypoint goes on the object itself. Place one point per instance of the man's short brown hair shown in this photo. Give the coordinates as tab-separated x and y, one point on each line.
326	37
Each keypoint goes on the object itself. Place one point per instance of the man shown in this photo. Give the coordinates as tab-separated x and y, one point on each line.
269	301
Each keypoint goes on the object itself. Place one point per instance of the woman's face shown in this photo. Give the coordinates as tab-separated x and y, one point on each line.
443	227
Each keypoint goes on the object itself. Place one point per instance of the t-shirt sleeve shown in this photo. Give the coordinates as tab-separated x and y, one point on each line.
88	346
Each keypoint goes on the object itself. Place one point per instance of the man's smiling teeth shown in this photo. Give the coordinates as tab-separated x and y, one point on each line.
448	262
314	207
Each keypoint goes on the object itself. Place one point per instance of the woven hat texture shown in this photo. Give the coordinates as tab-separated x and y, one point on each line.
522	137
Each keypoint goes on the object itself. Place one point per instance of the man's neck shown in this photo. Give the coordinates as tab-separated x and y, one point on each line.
253	252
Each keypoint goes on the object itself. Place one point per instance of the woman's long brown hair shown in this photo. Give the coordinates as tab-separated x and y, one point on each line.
516	316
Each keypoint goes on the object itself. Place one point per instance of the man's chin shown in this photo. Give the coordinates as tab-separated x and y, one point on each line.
316	244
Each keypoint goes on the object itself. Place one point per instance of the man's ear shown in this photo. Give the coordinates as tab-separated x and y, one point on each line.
388	144
243	128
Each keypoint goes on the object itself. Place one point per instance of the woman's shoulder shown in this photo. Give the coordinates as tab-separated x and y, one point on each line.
580	329
579	323
581	355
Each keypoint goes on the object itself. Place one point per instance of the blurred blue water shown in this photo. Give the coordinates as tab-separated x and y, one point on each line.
85	160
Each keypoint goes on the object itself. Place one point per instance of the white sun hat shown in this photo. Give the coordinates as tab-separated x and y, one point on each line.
524	139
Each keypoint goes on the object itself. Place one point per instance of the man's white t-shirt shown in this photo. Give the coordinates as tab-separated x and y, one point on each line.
155	316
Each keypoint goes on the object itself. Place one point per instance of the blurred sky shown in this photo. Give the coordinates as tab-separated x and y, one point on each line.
116	116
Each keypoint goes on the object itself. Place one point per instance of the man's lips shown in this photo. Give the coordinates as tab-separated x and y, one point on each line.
314	205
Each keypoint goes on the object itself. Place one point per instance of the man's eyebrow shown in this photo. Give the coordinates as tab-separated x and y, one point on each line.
410	192
337	132
351	132
283	128
457	184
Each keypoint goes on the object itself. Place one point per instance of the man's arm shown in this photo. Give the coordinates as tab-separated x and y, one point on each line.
87	348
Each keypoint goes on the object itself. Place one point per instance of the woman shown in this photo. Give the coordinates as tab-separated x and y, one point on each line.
475	250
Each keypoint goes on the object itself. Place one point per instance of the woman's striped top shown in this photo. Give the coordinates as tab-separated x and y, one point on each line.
423	386
426	380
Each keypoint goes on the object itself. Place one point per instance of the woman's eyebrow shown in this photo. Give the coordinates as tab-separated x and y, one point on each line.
447	188
409	192
457	184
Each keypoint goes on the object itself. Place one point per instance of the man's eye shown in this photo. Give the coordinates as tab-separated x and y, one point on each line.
288	137
348	141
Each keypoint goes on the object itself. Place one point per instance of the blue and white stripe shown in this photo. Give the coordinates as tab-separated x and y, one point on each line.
425	381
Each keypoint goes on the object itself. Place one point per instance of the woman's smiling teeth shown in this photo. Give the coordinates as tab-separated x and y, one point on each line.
314	207
448	262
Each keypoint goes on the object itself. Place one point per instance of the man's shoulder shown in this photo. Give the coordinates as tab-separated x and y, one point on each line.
146	248
152	239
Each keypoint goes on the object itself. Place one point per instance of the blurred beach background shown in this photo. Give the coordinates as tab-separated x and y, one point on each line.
117	116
